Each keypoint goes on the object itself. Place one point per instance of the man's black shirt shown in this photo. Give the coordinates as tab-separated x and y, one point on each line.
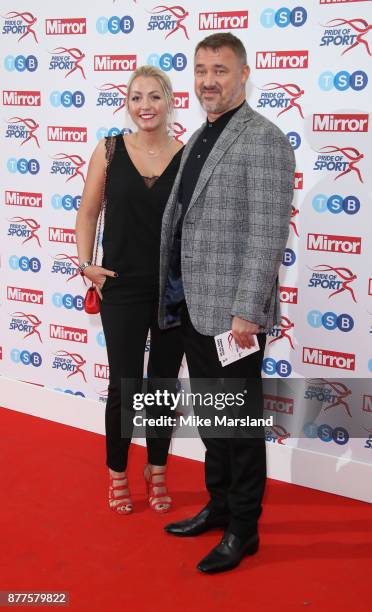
198	155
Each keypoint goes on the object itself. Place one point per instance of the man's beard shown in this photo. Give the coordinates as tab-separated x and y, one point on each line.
220	106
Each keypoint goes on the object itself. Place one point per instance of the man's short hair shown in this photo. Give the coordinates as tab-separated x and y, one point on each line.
216	41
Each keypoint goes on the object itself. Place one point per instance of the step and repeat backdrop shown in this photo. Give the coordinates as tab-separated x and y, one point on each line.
64	81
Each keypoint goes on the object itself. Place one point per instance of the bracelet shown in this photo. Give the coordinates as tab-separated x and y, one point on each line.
84	265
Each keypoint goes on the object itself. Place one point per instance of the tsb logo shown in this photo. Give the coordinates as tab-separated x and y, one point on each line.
326	433
167	61
336	204
66	202
271	367
289	257
113	131
26	358
283	17
20	63
24	263
67	99
24	166
343	80
60	300
114	25
330	321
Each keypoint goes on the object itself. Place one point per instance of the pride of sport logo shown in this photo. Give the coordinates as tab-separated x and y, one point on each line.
346	33
281	331
65	26
350	245
341	122
25	228
59	133
268	60
66	266
115	63
328	359
21	24
330	393
341	160
25	323
69	363
23	129
68	165
12	97
169	19
227	20
337	280
67	60
283	96
112	95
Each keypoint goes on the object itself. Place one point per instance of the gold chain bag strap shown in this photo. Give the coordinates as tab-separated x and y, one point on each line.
92	300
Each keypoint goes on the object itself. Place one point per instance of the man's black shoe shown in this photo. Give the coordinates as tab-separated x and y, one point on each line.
228	553
202	522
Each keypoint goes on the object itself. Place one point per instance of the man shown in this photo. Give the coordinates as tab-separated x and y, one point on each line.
224	232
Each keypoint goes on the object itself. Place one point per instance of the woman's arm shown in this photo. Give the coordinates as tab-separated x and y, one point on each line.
88	213
90	205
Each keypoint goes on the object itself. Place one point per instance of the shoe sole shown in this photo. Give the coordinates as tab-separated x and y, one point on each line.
197	532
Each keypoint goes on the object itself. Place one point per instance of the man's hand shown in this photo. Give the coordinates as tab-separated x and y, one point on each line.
243	331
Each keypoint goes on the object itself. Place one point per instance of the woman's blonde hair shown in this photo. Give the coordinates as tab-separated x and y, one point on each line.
160	76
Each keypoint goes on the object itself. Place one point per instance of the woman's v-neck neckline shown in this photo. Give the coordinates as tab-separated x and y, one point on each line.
157	177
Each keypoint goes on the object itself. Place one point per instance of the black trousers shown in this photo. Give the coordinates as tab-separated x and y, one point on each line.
235	467
126	328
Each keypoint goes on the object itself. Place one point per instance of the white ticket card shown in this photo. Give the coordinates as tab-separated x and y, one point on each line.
229	351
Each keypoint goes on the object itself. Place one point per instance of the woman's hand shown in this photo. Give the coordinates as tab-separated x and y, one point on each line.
97	275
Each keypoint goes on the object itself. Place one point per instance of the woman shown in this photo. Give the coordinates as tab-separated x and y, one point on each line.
140	173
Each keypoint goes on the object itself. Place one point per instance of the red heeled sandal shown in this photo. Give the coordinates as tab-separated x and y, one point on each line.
156	488
120	502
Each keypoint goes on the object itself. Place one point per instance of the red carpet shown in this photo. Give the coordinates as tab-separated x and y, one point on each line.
58	534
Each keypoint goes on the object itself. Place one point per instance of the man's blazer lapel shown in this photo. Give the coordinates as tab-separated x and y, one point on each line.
169	215
224	142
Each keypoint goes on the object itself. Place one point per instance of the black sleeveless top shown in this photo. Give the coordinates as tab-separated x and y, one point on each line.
132	227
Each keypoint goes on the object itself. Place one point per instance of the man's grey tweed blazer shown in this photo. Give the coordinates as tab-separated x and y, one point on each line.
236	226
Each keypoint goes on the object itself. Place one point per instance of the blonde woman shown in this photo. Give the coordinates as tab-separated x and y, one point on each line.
140	176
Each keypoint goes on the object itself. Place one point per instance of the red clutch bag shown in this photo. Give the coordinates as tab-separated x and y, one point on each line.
92	301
